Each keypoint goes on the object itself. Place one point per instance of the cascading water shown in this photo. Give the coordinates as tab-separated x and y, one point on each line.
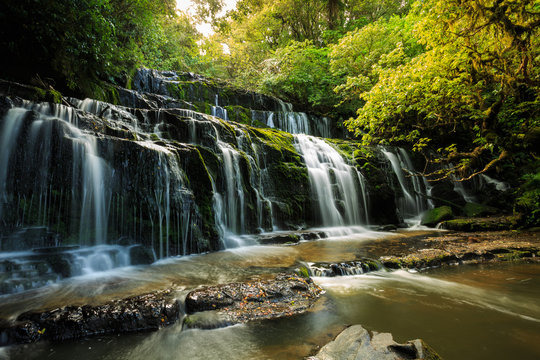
293	122
499	185
83	197
8	136
415	199
219	111
124	173
95	197
337	187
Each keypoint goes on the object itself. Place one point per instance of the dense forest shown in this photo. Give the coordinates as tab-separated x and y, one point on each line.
456	80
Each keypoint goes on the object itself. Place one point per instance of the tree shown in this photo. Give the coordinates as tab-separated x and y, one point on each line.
474	91
361	54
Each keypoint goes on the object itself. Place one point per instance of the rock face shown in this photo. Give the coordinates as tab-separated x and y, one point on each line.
286	295
163	164
356	343
141	313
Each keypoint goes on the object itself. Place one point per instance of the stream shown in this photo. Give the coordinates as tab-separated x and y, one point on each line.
472	311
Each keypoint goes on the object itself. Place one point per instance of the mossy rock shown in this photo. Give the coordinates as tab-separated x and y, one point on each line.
276	139
29	92
434	216
476	210
474	224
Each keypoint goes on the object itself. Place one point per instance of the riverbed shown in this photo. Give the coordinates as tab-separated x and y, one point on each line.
486	311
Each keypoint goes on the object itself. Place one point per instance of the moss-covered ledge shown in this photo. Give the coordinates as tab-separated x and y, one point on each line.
464	248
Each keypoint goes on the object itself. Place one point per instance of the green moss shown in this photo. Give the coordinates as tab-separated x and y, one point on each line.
372	264
434	216
303	272
54	96
176	90
475	210
276	139
473	224
32	93
239	114
513	255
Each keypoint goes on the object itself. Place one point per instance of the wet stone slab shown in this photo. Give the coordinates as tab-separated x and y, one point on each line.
140	313
217	306
289	237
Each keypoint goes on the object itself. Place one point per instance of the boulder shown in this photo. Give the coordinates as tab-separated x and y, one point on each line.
356	343
434	216
141	255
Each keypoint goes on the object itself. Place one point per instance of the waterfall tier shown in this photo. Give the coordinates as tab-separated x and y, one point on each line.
156	172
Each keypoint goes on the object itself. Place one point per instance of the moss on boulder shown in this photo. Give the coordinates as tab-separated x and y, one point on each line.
434	216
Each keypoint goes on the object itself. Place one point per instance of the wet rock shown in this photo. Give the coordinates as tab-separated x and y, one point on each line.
476	210
434	216
429	258
28	238
283	296
141	255
443	193
388	227
140	313
356	342
18	332
343	268
290	237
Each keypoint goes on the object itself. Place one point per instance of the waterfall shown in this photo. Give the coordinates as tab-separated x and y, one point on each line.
234	195
219	111
460	188
498	185
337	187
8	136
95	197
414	188
292	122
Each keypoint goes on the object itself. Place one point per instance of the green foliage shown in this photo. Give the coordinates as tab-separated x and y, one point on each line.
262	35
363	53
528	201
473	90
300	73
75	45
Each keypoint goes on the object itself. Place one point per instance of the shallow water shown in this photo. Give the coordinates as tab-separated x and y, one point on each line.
480	312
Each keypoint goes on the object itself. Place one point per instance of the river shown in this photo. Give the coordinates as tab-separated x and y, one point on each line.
464	312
